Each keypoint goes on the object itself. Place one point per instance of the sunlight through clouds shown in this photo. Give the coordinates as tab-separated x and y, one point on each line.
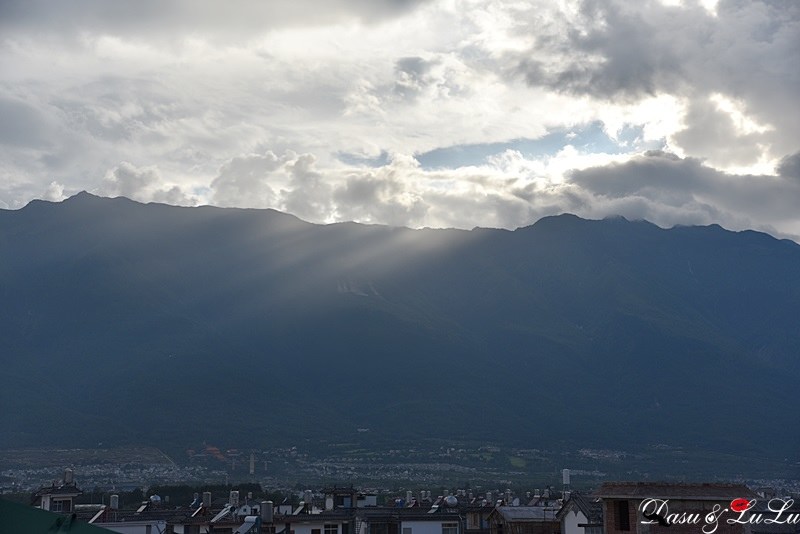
333	112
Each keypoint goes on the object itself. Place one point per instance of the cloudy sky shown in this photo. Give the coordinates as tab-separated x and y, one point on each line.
410	112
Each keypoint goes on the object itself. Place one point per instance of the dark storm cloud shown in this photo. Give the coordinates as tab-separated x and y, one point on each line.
623	51
634	61
659	182
789	167
612	48
609	51
654	171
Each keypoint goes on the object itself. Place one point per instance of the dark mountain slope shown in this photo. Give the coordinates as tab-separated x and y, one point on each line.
129	322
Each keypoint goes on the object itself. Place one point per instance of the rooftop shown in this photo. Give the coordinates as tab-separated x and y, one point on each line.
526	513
589	505
677	491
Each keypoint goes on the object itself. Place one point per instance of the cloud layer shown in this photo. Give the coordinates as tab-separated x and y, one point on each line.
678	112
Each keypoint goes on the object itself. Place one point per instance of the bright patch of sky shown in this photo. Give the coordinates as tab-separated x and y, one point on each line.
591	139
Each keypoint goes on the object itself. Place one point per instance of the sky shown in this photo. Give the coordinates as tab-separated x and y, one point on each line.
438	113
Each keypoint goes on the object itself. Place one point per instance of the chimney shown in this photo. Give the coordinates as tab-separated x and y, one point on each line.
308	497
68	476
409	497
206	499
113	502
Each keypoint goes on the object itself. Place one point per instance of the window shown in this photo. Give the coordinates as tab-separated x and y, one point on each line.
331	529
63	505
316	531
449	528
622	518
406	530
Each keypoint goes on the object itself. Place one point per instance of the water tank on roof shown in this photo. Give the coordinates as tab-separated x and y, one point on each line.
451	501
266	511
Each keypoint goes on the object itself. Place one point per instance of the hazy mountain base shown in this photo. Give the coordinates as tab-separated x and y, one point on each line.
130	323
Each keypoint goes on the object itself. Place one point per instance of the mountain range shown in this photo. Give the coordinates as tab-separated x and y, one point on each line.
123	322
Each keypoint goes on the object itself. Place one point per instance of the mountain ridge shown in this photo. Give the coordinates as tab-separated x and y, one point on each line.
594	326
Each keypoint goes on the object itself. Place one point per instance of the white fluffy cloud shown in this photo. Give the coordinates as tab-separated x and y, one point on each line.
326	110
144	184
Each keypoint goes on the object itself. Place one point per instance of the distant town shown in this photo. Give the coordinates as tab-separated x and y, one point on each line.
289	468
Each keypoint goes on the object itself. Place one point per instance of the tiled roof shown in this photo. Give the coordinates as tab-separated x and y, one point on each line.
589	505
526	513
418	514
112	516
665	490
63	489
343	514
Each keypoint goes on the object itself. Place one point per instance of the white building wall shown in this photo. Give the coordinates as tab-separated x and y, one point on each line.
571	521
135	527
422	527
305	528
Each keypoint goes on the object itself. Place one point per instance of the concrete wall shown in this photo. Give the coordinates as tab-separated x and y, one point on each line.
423	527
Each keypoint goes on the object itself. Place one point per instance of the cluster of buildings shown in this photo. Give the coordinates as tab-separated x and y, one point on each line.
614	508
